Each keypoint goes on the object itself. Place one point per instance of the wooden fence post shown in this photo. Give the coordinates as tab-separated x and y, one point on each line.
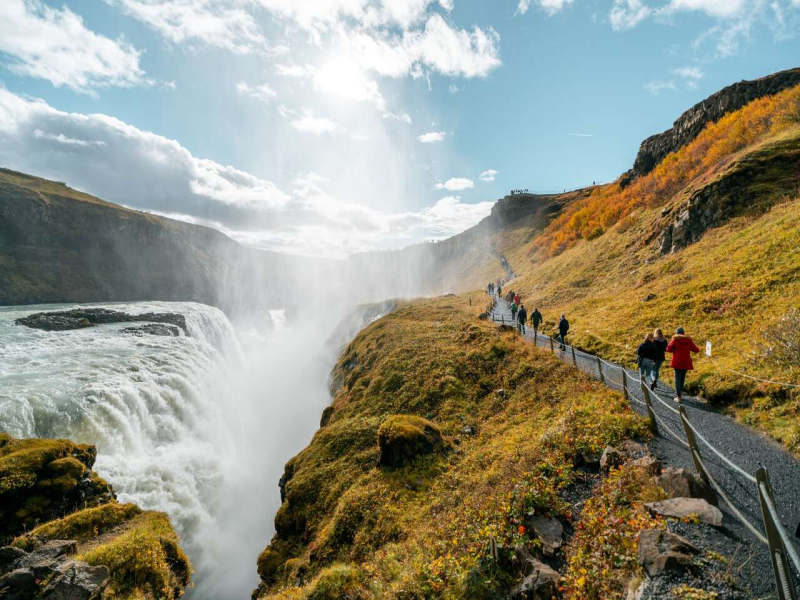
650	413
777	551
625	384
574	360
552	349
694	450
600	369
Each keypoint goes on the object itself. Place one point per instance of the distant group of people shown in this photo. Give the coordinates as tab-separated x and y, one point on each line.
650	355
515	192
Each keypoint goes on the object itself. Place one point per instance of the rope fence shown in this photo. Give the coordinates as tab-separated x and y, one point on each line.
782	552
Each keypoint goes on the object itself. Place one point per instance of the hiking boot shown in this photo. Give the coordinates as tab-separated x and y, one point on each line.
678	399
653	386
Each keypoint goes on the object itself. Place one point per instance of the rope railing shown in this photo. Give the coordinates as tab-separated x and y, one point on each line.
768	381
778	540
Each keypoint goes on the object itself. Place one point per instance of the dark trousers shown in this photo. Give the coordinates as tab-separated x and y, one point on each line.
562	337
680	379
521	327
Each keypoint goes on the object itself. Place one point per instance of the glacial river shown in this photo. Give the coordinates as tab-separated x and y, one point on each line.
198	426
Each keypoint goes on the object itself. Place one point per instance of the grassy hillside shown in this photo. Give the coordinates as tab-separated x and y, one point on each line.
609	261
515	424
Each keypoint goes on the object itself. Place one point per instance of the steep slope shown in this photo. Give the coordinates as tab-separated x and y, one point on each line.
454	463
60	245
709	241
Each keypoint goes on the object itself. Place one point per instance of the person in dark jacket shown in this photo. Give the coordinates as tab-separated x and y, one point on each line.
536	320
522	316
681	347
563	330
661	345
646	355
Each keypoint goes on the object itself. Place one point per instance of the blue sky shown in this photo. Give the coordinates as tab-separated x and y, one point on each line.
326	127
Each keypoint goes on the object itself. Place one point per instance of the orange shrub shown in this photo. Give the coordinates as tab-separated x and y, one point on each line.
718	142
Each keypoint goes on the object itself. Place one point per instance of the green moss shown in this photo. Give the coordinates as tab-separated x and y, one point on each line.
82	526
337	582
145	560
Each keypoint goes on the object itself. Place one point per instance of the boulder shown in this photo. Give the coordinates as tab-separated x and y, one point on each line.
79	318
327	413
649	464
631	449
611	457
681	508
680	483
159	329
540	582
402	438
76	581
20	584
549	531
661	551
635	589
8	556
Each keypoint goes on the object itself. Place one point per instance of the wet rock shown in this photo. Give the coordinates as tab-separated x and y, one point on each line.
76	581
79	318
154	329
680	483
549	531
649	464
661	551
611	458
404	437
540	582
681	508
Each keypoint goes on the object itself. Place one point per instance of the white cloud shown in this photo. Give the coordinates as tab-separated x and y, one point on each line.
581	134
68	141
454	89
221	23
455	184
123	164
523	6
308	123
553	6
262	92
432	137
54	44
626	14
656	87
714	8
488	175
689	72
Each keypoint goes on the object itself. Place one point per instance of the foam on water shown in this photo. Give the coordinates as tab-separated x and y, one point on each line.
198	426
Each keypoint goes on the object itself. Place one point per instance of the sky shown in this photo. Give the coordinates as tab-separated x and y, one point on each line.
327	127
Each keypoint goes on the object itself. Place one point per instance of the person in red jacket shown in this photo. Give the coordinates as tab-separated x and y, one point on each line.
681	347
517	299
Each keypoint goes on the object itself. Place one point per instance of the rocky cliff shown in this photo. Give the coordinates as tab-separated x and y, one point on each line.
692	122
60	245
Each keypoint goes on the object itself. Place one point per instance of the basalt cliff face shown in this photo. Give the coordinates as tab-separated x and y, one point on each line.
691	123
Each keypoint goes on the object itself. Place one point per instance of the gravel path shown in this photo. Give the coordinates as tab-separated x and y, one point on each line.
743	446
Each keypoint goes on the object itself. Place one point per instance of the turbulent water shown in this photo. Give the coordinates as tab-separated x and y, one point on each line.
198	426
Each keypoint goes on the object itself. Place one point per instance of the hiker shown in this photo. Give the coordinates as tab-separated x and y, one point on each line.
509	298
563	329
522	316
646	355
681	346
536	320
513	311
517	299
499	291
661	345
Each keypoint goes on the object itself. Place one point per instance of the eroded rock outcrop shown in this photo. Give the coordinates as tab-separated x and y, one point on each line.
80	318
402	438
691	123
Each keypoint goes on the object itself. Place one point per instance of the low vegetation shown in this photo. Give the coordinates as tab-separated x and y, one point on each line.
516	426
48	491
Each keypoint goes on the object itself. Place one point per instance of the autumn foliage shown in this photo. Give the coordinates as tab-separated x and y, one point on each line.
716	145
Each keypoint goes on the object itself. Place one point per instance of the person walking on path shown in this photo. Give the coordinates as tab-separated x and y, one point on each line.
509	298
661	345
646	355
522	316
681	346
513	310
536	320
499	291
517	300
563	330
